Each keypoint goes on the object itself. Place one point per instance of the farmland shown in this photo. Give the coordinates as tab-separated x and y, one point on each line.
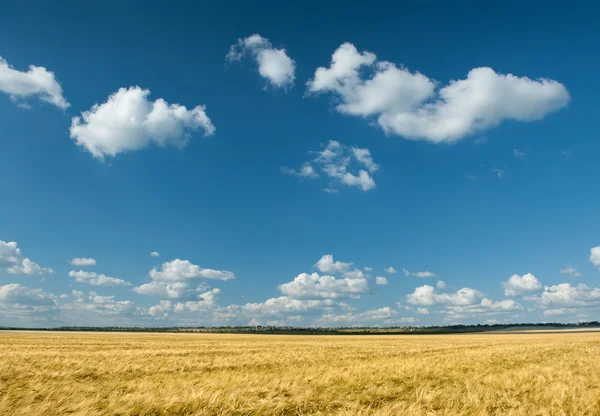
207	374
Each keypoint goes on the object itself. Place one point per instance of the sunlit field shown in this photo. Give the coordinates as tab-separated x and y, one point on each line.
208	374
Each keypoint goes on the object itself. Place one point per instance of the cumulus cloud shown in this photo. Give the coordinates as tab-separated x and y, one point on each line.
154	254
381	280
274	65
441	284
485	307
174	290
181	270
206	300
571	271
37	82
129	121
385	315
82	261
418	274
161	310
96	279
566	295
390	270
13	261
427	296
314	286
326	264
519	285
25	306
414	106
284	305
595	256
341	164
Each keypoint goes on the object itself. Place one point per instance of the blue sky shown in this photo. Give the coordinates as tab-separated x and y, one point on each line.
384	136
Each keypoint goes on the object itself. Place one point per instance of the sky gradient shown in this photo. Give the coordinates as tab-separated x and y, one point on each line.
315	164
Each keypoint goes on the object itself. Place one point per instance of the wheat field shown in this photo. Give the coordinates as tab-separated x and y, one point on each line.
211	374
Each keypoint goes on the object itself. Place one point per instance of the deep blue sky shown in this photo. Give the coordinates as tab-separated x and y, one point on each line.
223	202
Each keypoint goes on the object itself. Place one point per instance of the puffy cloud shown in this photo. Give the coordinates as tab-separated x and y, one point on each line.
37	82
345	165
175	290
313	286
571	271
82	261
560	311
519	285
566	295
129	121
486	306
20	305
326	264
154	254
284	305
441	284
427	296
413	106
418	274
161	310
97	279
206	300
274	65
180	270
14	262
595	256
104	306
390	270
381	280
422	311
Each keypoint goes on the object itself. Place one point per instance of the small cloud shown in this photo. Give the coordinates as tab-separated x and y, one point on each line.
82	261
155	254
424	274
471	176
499	173
390	270
381	280
367	269
520	154
441	284
571	271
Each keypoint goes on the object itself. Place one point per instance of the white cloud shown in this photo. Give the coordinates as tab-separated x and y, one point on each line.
571	271
206	300
38	82
23	306
326	264
274	65
486	306
161	310
313	286
595	256
519	285
129	121
427	296
367	269
105	307
390	270
441	284
422	311
285	305
343	165
381	280
566	295
14	262
175	290
97	279
424	274
82	261
560	311
180	270
154	254
520	154
415	107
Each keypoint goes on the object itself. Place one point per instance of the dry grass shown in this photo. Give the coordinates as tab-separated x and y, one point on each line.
184	374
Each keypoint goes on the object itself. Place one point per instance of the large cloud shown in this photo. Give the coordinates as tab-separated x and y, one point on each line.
520	285
181	270
14	262
274	65
411	104
314	286
566	295
38	82
129	121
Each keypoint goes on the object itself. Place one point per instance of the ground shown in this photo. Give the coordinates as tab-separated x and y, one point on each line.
207	374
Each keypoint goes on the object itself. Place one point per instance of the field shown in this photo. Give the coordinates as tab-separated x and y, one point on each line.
207	374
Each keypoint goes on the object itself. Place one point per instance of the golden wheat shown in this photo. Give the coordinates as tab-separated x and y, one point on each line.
208	374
